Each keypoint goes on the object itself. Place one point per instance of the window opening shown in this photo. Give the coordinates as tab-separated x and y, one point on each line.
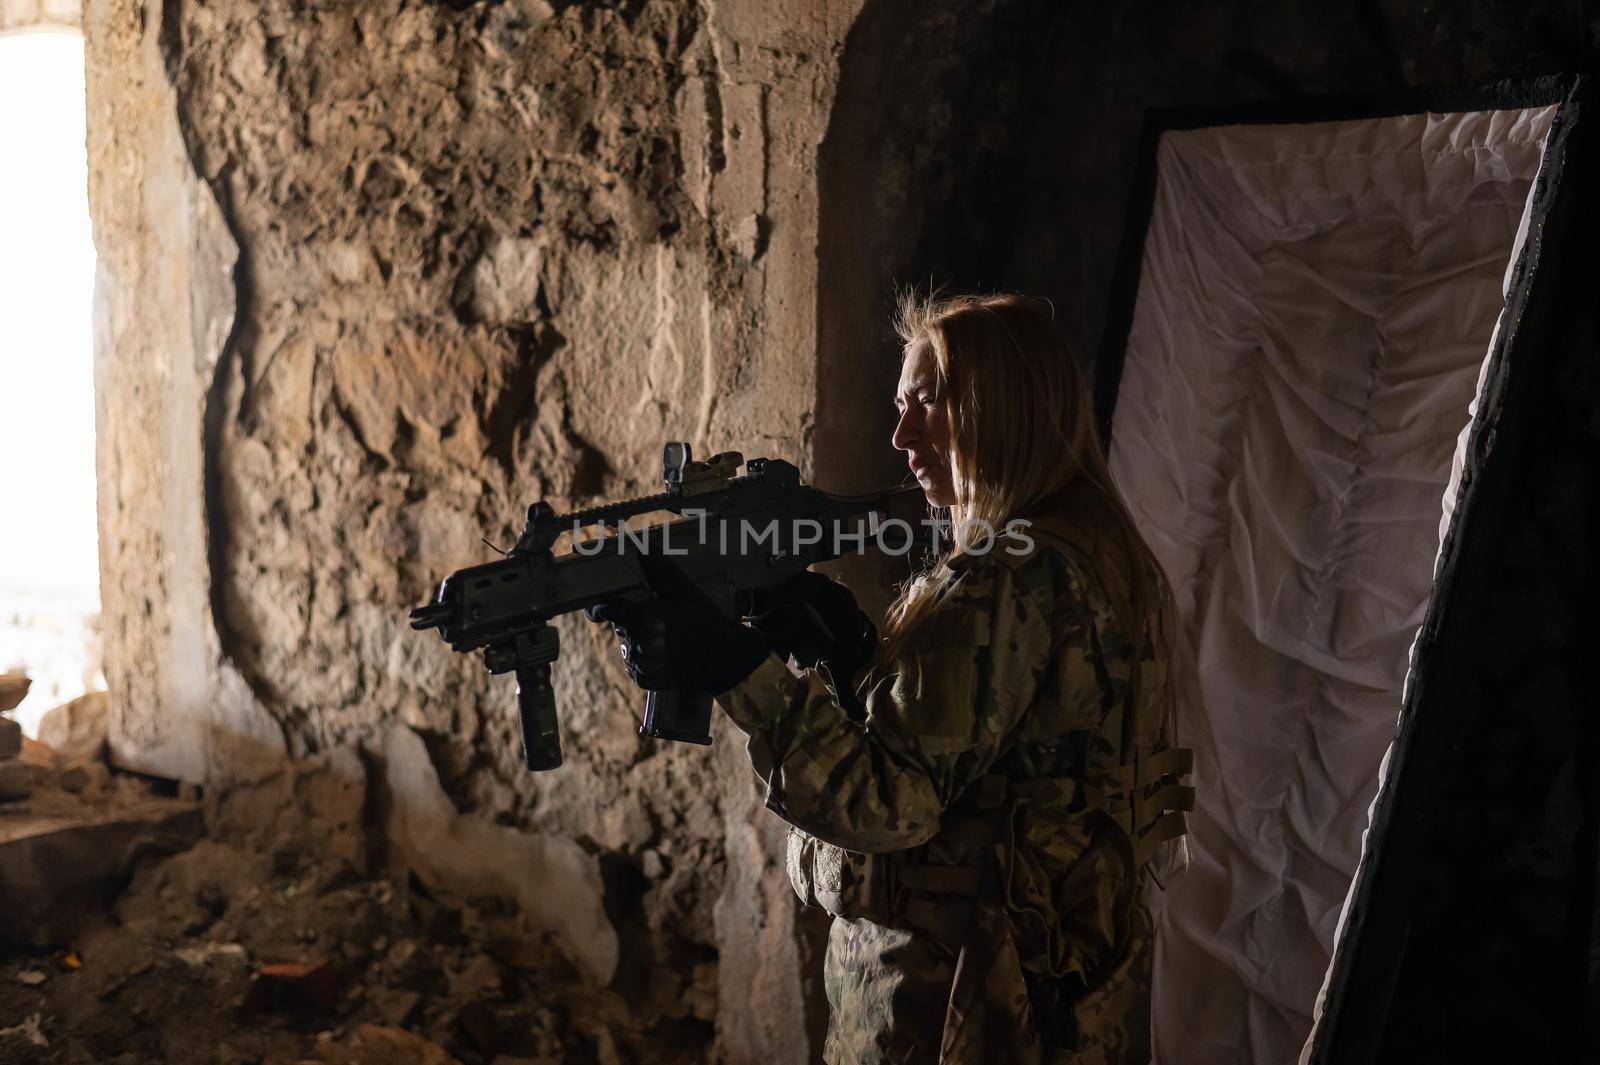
49	569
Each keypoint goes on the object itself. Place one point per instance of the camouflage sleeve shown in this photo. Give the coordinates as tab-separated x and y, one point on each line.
937	717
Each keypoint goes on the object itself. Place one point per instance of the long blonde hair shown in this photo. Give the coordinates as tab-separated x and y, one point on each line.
1022	431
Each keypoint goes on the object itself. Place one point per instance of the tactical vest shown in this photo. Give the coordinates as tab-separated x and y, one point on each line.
960	887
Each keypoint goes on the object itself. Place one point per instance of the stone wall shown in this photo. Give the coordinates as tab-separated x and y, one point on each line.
373	278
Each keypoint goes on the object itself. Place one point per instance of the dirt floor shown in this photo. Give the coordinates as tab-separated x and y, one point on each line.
259	949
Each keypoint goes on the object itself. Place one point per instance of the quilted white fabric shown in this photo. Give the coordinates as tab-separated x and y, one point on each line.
1315	306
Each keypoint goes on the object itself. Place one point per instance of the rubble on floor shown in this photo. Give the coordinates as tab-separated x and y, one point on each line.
13	689
254	925
76	731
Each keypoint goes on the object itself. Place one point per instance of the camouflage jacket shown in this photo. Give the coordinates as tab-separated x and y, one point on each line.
1024	677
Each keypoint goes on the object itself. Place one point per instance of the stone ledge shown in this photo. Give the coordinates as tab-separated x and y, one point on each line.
56	860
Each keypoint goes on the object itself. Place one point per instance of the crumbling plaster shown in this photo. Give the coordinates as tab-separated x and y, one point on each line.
373	278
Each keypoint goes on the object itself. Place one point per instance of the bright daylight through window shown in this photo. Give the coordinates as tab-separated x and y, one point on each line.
49	580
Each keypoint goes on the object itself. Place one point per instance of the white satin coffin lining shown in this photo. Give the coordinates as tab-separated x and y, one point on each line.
1315	305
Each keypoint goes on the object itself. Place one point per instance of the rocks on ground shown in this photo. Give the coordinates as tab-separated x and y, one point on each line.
71	831
76	731
13	689
70	750
10	738
16	779
257	926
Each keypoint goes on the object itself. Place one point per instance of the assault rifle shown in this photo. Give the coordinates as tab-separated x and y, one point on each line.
736	538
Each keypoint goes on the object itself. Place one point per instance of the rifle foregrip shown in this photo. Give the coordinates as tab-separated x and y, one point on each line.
536	710
677	715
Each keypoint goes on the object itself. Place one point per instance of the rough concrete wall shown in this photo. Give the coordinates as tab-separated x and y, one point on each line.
374	277
164	305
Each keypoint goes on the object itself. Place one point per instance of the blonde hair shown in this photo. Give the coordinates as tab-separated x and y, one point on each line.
1022	432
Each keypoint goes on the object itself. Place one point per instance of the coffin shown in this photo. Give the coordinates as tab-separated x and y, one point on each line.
1325	321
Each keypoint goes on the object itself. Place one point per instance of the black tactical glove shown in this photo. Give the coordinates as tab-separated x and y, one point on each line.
816	619
682	643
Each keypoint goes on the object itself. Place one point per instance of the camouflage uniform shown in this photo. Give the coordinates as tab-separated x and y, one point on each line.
978	836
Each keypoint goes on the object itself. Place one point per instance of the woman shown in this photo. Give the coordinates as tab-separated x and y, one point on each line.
979	833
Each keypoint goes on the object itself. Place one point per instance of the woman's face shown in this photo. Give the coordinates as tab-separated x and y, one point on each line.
923	432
